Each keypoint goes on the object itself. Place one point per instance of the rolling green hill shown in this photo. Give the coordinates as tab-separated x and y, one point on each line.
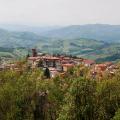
98	42
81	47
101	32
87	48
18	39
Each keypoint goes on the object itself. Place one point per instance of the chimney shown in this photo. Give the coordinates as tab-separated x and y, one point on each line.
34	53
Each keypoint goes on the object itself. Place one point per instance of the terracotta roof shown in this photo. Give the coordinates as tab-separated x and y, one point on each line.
52	69
67	61
55	72
108	63
51	58
33	58
86	61
101	66
68	65
66	58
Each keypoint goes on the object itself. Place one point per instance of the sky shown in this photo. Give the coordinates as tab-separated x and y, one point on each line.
59	12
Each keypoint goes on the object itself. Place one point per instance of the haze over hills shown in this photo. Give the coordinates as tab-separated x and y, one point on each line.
26	28
96	41
17	39
103	32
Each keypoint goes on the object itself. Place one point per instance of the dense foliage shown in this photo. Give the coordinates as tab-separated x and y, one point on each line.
28	95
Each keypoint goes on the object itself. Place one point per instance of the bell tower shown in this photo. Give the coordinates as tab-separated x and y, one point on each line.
34	52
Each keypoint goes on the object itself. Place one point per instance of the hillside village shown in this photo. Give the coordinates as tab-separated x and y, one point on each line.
60	64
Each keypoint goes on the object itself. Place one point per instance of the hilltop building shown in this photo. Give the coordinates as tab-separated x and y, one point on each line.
55	64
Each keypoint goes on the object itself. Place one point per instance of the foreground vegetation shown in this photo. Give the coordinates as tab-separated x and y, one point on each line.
28	95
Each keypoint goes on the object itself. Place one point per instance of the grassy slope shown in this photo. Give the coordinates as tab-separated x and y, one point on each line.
87	48
11	43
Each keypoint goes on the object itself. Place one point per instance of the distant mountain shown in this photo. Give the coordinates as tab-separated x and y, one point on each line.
25	28
18	39
101	32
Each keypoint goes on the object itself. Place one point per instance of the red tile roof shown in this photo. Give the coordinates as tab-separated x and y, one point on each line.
51	58
33	58
86	61
68	65
101	66
108	63
52	69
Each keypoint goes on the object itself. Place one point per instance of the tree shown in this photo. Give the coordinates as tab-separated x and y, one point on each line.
47	73
117	115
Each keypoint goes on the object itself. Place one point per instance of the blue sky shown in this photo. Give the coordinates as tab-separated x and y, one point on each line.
59	12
